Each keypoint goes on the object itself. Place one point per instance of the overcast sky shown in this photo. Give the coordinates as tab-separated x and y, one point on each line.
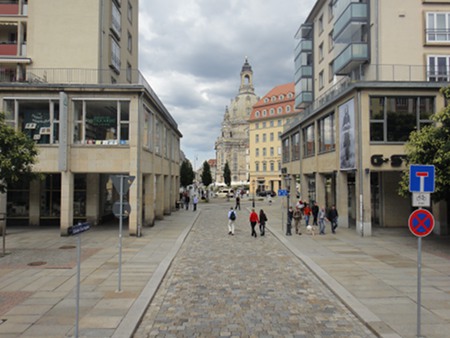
192	52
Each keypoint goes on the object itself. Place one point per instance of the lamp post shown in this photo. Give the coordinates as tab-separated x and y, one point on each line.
253	188
287	181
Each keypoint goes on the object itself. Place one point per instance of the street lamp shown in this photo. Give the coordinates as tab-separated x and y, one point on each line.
253	188
287	181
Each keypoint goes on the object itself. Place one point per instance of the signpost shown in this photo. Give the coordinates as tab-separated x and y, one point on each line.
76	230
421	221
122	184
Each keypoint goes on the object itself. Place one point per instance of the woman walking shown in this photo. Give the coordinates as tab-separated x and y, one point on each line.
253	220
262	222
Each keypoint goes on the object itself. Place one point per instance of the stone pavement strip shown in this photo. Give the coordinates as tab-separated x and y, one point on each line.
238	286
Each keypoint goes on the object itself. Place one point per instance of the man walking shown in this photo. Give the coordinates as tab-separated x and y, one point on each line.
333	218
231	219
297	216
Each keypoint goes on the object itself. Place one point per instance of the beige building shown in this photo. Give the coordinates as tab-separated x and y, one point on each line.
232	145
367	73
75	89
267	120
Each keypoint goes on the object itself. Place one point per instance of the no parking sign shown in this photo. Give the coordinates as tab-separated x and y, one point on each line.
421	222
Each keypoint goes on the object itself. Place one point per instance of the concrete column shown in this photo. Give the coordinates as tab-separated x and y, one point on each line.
35	202
363	205
167	195
342	198
93	198
135	198
67	189
159	200
149	200
320	190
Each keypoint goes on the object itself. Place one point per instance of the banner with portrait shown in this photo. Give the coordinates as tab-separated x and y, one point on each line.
347	156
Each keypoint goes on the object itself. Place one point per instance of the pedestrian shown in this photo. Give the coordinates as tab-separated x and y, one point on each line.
289	222
238	202
231	219
333	218
297	216
253	220
315	212
307	213
321	217
194	202
262	222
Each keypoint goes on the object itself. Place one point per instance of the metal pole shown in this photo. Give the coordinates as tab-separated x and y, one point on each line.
419	275
119	288
77	318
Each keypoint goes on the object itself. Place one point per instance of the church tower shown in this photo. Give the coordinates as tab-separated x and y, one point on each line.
232	145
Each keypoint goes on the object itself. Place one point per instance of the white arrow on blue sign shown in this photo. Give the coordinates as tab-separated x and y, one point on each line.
421	178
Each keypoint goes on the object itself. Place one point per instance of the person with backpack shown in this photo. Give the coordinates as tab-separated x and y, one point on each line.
231	219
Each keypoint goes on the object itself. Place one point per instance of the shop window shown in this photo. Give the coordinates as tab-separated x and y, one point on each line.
392	119
295	149
327	134
308	141
79	199
51	196
18	197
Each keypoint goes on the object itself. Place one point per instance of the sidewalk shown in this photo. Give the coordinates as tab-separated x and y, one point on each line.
375	277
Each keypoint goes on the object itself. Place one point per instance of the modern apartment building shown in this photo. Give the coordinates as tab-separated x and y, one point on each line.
267	120
232	145
367	73
69	80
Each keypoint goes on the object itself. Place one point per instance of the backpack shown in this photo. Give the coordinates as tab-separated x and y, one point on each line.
232	216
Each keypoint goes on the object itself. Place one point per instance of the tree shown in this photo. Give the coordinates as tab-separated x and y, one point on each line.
431	145
206	174
18	154
186	173
227	174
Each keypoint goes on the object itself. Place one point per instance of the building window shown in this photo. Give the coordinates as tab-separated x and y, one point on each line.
272	153
280	110
321	52
256	138
130	42
438	27
279	123
264	168
321	80
308	141
264	124
38	119
295	148
330	71
327	134
257	166
264	137
264	152
320	24
272	166
271	123
285	150
271	137
264	113
115	55
129	72
392	119
330	41
257	152
438	68
272	111
257	114
130	12
116	20
288	109
101	122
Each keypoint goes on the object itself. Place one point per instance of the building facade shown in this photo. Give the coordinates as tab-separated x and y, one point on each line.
267	120
368	73
92	118
232	145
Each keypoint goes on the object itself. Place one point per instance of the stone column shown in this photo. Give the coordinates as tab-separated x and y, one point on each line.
342	198
149	200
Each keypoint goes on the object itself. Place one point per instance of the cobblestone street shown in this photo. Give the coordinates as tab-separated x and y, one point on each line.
238	286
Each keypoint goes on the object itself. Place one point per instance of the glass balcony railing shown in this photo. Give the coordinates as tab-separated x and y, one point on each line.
352	56
304	46
355	13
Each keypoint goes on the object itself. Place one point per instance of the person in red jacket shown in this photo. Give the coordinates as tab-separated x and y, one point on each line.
253	221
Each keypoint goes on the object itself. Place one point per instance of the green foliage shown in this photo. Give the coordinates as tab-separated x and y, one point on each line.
431	146
18	154
187	174
206	174
227	174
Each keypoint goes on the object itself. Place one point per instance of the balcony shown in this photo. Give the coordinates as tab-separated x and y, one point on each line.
8	49
349	23
304	46
9	8
351	57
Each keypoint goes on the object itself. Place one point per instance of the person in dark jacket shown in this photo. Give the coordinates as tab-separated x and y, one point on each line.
262	222
332	217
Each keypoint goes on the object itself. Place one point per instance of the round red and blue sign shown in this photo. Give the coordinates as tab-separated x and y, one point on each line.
421	222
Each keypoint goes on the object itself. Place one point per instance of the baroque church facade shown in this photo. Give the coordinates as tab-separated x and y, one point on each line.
232	145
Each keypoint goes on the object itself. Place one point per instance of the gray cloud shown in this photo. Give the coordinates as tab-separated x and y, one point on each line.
191	53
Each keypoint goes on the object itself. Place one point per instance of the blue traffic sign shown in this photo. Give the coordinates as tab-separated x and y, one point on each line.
421	178
282	192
